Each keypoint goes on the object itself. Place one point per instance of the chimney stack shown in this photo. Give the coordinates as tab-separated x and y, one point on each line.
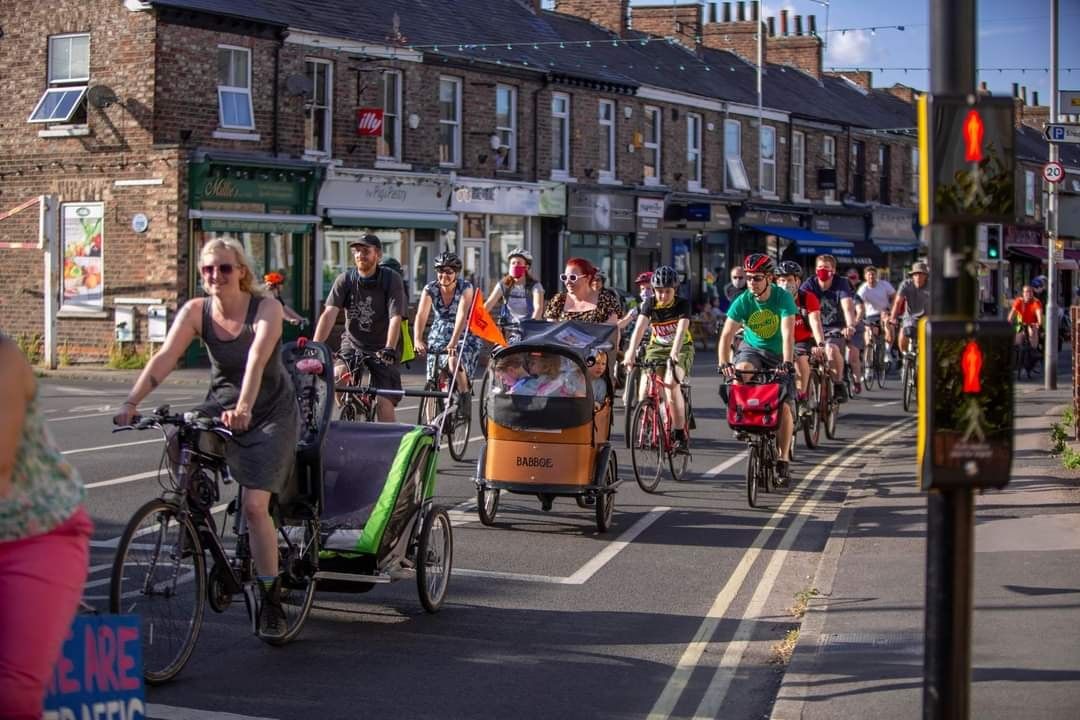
798	25
1016	90
754	10
1035	98
740	11
811	21
609	14
1023	93
771	22
783	23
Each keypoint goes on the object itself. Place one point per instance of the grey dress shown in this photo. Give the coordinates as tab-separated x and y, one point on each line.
261	457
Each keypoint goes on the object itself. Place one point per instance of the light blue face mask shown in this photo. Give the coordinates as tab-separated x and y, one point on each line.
646	293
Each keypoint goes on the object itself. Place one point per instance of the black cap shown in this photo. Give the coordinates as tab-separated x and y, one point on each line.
369	240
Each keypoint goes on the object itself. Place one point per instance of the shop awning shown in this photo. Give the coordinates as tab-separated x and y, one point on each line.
809	242
392	219
865	253
896	246
229	221
1038	252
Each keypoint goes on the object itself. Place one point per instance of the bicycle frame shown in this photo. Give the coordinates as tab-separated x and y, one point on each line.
654	391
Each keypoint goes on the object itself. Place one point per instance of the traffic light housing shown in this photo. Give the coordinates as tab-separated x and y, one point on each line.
965	404
993	242
968	160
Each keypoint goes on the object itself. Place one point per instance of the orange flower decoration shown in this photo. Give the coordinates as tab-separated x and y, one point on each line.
273	278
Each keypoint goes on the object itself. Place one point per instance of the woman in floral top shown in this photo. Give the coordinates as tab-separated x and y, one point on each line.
580	301
44	541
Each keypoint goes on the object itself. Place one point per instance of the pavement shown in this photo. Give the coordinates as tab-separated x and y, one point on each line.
861	645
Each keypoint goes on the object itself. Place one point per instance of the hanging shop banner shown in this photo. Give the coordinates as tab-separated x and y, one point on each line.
552	199
495	199
83	239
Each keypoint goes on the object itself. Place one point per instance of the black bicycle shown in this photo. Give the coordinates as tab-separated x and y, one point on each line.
357	407
159	571
909	372
874	358
762	444
458	424
1027	355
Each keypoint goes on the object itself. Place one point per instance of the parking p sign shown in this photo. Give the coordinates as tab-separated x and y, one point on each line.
1053	172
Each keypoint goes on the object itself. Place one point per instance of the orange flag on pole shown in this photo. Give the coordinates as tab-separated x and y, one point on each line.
482	324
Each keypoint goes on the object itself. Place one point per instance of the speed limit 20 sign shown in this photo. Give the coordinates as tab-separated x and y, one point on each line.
1053	172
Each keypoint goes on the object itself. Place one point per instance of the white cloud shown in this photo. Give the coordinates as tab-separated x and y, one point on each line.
849	49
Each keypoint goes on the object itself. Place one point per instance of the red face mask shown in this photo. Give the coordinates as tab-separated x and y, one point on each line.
518	271
823	274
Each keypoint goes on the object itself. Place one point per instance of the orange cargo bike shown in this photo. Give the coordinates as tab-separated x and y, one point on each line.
549	420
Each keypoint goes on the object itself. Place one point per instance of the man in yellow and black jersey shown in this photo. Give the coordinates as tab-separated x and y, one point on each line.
668	316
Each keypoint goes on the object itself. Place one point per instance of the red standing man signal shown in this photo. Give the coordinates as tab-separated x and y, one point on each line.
973	137
971	362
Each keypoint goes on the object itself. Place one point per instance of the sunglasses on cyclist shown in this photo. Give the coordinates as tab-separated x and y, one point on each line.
223	268
756	278
570	277
445	271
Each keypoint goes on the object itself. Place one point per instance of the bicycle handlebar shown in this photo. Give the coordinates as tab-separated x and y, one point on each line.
161	417
387	392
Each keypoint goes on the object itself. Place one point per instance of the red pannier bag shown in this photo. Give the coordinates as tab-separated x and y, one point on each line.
754	408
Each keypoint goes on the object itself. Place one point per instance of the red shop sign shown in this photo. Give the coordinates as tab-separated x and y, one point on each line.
369	121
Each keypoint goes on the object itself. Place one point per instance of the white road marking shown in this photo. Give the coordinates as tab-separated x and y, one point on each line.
887	404
79	451
80	391
170	712
718	688
586	571
680	676
122	480
733	460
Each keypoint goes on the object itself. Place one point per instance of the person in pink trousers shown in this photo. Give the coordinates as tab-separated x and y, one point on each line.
44	542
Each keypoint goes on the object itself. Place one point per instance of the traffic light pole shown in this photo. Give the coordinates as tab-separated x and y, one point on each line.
950	534
1050	345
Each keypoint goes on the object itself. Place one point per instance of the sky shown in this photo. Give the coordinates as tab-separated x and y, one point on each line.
1012	34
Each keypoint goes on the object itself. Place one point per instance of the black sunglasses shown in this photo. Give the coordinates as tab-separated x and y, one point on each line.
223	268
757	278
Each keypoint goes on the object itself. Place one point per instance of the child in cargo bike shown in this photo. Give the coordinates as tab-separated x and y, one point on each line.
768	314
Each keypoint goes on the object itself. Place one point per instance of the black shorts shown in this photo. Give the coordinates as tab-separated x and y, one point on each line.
803	348
386	377
858	340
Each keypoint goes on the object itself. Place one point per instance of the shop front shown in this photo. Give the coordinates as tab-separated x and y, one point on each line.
1024	247
784	236
407	212
893	232
602	228
849	228
698	232
266	205
496	218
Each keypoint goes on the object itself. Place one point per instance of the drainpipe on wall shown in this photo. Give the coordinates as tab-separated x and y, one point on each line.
277	91
850	166
791	157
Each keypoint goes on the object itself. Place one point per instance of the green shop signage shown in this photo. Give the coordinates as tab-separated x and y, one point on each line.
284	188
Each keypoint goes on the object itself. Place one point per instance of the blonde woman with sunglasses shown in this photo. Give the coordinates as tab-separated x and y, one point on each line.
249	391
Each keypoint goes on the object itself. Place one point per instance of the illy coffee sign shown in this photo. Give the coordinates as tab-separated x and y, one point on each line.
369	121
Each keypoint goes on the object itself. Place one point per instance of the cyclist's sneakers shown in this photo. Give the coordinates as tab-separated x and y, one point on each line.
783	473
465	408
858	386
272	624
840	391
681	445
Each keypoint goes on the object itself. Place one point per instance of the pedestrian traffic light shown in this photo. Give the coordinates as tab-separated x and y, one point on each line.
969	158
993	242
965	403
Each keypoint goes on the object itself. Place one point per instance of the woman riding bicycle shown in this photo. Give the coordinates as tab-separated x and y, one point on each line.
519	295
668	316
274	281
250	392
450	297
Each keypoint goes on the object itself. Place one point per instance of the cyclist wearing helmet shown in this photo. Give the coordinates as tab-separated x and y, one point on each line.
520	294
645	291
837	313
274	281
809	335
668	316
450	297
768	314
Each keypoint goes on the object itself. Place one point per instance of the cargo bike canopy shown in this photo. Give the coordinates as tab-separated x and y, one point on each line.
543	381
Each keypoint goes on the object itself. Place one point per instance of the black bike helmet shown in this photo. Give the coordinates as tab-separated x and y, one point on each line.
449	260
789	267
759	263
665	277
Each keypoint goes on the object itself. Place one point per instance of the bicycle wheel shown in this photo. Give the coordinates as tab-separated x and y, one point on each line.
830	408
646	447
298	558
159	574
879	364
910	392
753	463
434	558
630	401
811	420
487	504
605	501
460	425
429	407
906	381
482	410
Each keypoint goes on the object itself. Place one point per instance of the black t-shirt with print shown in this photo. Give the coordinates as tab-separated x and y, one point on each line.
664	321
832	313
369	303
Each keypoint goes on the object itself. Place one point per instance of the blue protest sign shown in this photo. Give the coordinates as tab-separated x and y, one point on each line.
99	673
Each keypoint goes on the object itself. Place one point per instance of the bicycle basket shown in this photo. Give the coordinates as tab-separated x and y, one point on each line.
755	408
